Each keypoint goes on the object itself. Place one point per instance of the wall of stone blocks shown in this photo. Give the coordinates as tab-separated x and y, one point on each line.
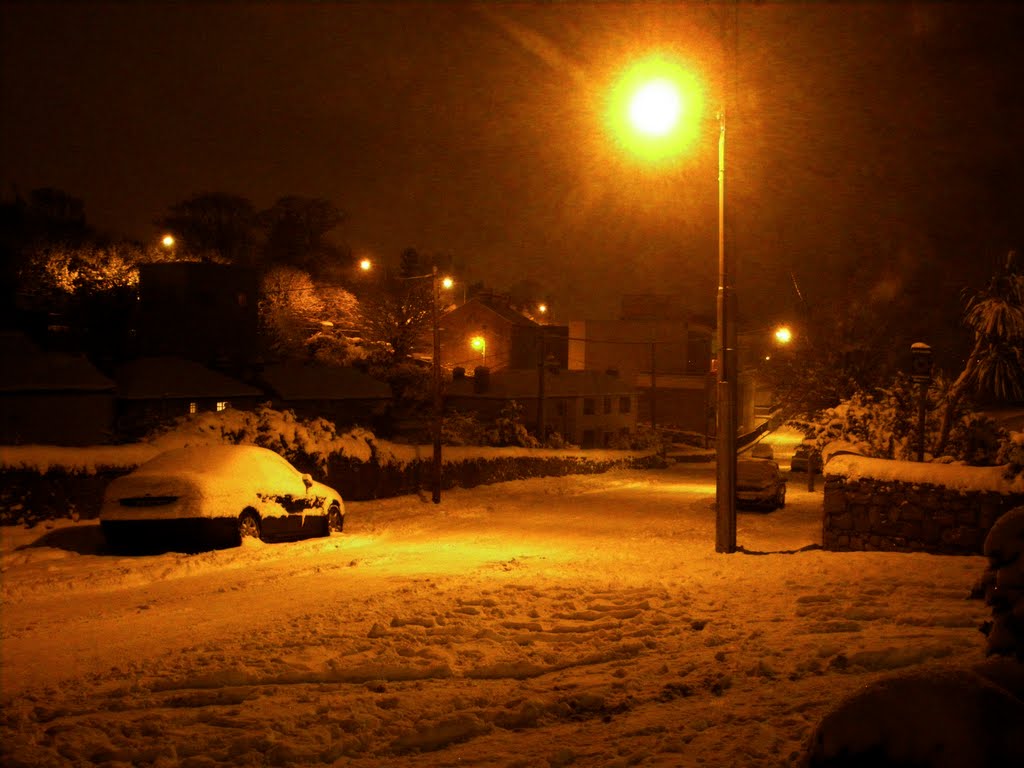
886	515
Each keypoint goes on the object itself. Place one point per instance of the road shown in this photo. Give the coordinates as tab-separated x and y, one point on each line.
567	621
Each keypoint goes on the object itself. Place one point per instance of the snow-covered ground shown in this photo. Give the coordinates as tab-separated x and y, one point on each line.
581	621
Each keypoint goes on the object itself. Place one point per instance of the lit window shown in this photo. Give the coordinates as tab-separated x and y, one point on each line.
223	405
193	407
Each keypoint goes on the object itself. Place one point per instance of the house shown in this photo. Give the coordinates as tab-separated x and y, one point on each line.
588	408
486	331
344	395
154	391
664	354
51	398
198	310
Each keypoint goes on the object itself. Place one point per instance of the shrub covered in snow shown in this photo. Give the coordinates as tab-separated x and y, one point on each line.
509	428
884	424
298	440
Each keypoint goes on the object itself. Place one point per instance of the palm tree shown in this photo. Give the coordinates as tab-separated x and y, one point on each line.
996	363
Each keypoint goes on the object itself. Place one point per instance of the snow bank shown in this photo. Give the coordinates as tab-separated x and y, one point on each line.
41	458
955	477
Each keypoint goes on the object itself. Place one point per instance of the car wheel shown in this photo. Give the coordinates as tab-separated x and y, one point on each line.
248	525
335	520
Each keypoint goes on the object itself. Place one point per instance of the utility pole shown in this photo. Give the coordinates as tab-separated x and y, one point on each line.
725	489
438	407
654	388
541	364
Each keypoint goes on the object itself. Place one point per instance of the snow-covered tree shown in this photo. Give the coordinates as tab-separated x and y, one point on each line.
995	365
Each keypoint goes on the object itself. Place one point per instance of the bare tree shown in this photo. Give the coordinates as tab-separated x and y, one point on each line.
214	222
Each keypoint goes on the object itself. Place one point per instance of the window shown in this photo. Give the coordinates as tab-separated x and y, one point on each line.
608	439
223	405
588	406
607	404
562	408
625	404
588	438
193	407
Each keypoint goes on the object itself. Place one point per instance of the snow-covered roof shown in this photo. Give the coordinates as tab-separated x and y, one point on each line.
502	310
167	377
26	368
294	381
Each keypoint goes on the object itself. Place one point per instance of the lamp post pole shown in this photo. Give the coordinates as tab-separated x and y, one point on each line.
438	408
725	393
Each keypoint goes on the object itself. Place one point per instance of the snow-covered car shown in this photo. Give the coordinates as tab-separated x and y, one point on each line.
759	483
803	455
762	451
214	496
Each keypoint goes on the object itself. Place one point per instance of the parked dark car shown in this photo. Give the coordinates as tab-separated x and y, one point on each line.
759	484
805	454
214	496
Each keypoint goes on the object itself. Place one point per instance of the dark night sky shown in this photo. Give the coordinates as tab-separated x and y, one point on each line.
881	138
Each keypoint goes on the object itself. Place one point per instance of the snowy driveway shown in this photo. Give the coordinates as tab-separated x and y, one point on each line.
581	621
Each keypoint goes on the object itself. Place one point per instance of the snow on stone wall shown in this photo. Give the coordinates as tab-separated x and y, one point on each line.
878	504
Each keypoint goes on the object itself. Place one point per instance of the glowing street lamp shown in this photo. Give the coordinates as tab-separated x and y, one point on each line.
167	241
783	334
656	112
365	264
479	343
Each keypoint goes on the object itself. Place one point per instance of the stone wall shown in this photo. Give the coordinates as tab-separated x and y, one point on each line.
909	515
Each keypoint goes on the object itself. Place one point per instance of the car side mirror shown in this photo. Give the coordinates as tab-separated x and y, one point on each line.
307	481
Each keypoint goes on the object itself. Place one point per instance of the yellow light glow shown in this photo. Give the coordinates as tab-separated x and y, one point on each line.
447	282
477	343
783	335
365	264
542	308
655	108
167	240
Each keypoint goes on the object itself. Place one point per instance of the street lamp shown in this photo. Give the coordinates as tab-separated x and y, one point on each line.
479	343
167	241
662	102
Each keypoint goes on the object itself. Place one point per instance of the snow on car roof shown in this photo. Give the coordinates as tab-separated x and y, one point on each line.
217	469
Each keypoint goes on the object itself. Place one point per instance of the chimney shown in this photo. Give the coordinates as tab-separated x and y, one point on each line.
481	379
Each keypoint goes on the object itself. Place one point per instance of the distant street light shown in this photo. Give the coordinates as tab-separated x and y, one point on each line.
479	343
783	335
542	308
167	241
656	110
365	264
